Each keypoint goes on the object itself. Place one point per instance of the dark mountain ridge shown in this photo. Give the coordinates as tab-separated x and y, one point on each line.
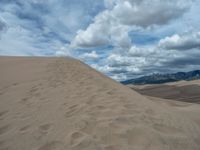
164	78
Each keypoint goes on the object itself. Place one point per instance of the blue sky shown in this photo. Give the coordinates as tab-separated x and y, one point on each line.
121	38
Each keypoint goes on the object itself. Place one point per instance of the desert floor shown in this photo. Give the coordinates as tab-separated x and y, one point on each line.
185	91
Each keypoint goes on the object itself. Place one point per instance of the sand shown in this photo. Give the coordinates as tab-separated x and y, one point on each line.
183	83
185	91
63	104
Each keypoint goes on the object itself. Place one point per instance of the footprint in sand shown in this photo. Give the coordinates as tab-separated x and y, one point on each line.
90	101
4	129
24	128
54	145
2	113
112	147
150	112
82	141
25	99
75	137
41	131
3	145
80	125
65	104
45	127
130	106
165	129
15	84
34	91
110	92
72	110
100	107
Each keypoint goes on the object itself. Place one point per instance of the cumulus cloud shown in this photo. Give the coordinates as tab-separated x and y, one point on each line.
95	35
141	51
44	25
63	51
119	64
113	25
181	42
144	60
90	56
145	12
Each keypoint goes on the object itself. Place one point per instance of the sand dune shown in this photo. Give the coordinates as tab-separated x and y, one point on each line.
62	104
185	91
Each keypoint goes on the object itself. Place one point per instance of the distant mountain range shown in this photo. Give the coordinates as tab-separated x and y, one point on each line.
164	78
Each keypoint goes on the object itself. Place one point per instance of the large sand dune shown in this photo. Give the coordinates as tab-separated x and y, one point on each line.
185	91
62	104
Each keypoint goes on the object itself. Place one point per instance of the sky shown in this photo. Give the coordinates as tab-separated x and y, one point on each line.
123	39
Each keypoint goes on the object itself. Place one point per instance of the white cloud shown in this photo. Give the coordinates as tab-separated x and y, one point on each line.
140	51
63	51
140	60
121	16
90	56
94	35
21	39
119	36
45	25
181	42
145	12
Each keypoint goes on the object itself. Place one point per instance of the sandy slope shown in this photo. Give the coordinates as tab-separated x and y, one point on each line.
185	91
62	104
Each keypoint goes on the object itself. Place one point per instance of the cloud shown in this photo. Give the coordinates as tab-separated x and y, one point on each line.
95	35
64	51
118	65
143	60
181	42
43	27
145	12
140	51
3	25
112	26
90	56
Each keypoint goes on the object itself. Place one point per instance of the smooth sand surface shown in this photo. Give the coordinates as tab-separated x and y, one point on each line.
185	91
62	104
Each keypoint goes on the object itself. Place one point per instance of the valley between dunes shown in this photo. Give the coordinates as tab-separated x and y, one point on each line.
63	104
